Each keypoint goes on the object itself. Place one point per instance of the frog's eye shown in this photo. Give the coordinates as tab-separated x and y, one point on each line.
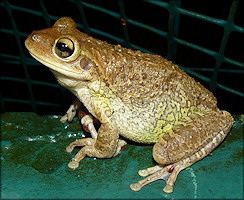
64	47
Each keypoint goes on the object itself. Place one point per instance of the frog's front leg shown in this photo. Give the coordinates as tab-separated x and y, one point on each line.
105	145
88	122
189	141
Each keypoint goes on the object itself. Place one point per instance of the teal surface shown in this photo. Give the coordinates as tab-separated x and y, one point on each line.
34	165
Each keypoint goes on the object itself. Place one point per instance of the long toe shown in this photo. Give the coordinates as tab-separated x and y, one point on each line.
135	187
73	165
69	149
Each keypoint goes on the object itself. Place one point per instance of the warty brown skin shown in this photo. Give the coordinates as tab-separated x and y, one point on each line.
140	96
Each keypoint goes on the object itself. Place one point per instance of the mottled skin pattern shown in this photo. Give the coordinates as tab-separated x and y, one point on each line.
140	96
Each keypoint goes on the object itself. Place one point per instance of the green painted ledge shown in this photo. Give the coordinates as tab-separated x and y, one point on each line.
34	165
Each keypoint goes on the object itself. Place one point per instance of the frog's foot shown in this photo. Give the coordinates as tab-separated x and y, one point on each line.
157	173
170	172
90	149
87	142
88	122
81	142
71	112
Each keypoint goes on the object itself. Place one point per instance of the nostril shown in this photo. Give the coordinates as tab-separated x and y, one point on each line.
36	38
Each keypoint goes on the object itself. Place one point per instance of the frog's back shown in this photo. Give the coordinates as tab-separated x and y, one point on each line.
140	78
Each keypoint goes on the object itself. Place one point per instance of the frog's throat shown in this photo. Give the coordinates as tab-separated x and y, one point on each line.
58	69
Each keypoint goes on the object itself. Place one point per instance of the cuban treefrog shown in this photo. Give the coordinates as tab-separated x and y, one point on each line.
142	97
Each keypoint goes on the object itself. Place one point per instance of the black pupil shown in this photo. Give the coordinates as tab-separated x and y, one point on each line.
63	47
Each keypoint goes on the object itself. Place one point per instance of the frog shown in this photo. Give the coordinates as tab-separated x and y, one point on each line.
138	96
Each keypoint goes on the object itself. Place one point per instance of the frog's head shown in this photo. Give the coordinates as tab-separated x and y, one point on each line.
66	51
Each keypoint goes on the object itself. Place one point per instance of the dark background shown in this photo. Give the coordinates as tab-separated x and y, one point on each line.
56	100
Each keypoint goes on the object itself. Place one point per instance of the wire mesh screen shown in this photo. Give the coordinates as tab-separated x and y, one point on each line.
205	38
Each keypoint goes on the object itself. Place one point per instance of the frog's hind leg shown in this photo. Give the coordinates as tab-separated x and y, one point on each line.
189	141
170	172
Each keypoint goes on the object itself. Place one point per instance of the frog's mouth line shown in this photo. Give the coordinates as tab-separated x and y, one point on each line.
57	69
